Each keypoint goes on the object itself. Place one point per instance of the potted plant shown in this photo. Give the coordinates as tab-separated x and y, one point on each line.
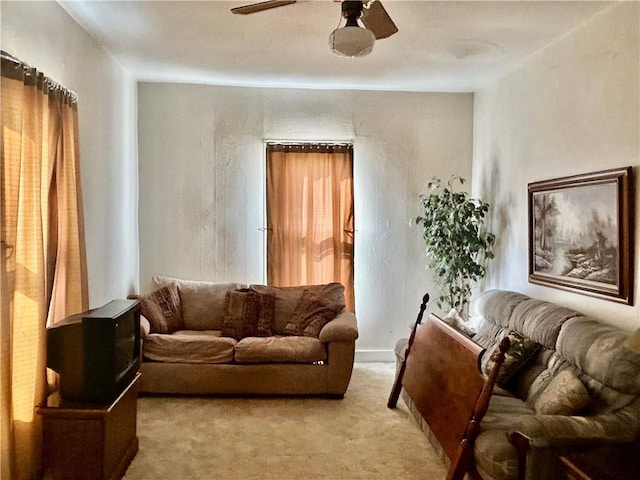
457	242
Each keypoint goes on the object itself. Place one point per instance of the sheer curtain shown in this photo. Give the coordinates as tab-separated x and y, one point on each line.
310	225
43	266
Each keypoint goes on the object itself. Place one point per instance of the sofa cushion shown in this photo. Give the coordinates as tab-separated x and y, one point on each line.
565	395
280	350
248	314
311	314
530	381
189	346
521	350
202	302
598	350
162	309
494	454
287	299
496	306
499	310
540	321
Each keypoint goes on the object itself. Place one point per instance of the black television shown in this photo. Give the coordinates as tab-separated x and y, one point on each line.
97	352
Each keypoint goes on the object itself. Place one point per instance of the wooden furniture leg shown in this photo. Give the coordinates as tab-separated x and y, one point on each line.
397	384
464	456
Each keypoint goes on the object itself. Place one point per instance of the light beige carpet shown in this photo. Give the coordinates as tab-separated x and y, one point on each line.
285	438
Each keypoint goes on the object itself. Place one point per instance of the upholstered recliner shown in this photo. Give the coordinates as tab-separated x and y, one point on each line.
530	423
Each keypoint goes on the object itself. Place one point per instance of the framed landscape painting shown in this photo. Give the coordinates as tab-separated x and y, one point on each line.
581	233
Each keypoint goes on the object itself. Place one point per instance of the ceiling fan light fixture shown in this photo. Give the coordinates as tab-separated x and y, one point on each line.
351	41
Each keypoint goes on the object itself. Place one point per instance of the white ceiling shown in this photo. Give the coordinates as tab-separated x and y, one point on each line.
441	46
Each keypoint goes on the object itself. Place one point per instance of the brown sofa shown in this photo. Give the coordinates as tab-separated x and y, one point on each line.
198	359
578	390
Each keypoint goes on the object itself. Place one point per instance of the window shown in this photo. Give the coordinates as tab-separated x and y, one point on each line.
310	217
43	266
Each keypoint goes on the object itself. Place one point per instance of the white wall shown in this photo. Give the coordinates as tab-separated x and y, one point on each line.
572	108
43	35
202	184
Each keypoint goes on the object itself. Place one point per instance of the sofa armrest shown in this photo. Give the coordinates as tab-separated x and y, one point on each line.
145	326
556	431
343	328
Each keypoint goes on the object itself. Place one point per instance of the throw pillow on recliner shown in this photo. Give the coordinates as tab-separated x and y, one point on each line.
521	350
162	308
565	395
248	314
312	312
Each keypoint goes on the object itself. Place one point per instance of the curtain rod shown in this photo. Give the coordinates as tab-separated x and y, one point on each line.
309	147
309	142
8	56
30	70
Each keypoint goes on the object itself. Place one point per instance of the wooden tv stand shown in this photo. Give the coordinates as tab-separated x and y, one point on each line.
87	441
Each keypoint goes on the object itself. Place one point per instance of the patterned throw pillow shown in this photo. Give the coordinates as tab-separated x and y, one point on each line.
565	395
311	314
248	314
162	308
266	316
521	350
287	299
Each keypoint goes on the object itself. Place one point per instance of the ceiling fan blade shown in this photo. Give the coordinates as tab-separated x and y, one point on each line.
259	7
376	19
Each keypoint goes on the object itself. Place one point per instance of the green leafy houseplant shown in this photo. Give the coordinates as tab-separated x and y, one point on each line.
457	243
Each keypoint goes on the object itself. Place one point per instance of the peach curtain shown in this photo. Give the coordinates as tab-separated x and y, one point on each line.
310	225
43	266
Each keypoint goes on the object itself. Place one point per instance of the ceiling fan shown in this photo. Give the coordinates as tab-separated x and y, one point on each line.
351	40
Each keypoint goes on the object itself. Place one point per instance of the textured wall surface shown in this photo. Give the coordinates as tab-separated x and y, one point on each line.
43	35
570	109
202	184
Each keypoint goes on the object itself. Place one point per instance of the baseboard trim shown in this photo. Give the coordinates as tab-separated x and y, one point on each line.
370	356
